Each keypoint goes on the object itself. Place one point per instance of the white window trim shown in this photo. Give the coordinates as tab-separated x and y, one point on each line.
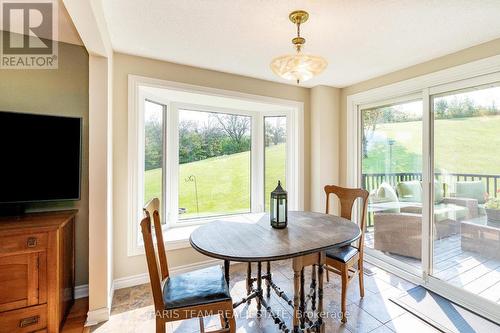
477	73
177	235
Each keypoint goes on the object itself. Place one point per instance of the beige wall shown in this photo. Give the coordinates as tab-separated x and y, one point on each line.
62	91
126	64
458	58
325	117
100	189
325	127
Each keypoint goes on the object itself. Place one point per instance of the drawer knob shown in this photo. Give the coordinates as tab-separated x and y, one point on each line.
29	321
32	242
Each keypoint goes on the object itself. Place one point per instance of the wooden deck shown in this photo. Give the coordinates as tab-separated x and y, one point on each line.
464	269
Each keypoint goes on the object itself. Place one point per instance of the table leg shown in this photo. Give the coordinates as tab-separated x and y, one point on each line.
302	300
297	268
259	288
313	287
268	280
226	271
320	292
249	281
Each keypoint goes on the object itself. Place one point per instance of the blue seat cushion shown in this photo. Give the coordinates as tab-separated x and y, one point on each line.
199	287
342	254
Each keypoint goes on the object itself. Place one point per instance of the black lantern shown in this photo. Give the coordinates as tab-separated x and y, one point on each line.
279	207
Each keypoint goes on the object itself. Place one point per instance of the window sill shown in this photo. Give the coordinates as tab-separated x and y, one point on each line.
176	238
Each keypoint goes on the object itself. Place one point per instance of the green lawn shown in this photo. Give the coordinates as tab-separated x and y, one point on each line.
466	145
223	182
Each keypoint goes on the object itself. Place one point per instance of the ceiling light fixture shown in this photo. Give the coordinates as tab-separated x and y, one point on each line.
298	67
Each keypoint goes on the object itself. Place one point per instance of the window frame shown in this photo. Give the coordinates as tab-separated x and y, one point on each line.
137	96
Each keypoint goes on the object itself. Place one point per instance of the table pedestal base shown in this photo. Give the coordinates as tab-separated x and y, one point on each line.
302	321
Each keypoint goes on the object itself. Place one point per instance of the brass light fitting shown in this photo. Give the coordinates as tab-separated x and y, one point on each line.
298	67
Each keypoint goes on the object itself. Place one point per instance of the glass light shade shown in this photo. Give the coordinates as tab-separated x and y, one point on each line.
298	67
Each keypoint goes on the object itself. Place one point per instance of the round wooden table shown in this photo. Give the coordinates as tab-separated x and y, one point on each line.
305	240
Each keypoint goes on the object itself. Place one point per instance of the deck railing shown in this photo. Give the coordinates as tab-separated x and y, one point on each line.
371	181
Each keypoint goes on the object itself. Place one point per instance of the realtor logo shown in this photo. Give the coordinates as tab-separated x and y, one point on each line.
29	29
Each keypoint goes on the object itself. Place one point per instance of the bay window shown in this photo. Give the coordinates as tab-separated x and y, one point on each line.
209	157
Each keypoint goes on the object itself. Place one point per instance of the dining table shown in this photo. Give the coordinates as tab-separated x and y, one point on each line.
305	240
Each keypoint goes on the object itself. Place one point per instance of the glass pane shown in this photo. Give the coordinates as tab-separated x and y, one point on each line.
392	172
466	190
214	158
153	150
274	155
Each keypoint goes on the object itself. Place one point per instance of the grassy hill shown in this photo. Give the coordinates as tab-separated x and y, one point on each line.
464	145
223	182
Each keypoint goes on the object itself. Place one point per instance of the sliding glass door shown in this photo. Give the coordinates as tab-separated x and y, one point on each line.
431	162
391	163
466	196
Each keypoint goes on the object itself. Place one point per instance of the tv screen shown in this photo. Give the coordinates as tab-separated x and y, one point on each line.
40	158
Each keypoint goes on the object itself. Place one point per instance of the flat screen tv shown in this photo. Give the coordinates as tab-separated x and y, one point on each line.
40	158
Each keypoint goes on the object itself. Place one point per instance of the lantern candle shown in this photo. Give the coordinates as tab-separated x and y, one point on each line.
279	207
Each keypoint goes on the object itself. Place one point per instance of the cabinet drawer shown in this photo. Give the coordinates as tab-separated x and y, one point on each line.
19	243
24	320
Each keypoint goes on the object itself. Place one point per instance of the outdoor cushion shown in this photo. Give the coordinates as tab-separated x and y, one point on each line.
453	212
442	211
342	254
471	190
386	193
438	191
199	287
410	191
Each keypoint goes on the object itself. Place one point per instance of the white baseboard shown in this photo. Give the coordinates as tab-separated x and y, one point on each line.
135	280
95	317
82	291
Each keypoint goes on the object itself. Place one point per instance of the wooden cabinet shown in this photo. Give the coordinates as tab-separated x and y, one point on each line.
36	271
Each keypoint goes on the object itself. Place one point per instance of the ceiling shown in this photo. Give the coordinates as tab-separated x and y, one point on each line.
361	39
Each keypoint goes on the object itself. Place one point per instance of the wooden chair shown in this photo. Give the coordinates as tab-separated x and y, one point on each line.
184	296
342	260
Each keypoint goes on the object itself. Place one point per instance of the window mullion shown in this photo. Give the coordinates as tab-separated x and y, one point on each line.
257	160
164	193
173	165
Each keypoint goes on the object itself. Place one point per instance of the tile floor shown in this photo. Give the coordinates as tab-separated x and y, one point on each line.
132	309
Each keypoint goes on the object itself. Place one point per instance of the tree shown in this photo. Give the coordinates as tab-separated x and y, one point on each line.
274	134
370	121
493	107
441	107
190	142
237	127
153	144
